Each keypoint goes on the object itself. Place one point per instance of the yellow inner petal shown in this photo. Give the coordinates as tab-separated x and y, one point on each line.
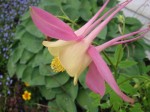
55	47
75	59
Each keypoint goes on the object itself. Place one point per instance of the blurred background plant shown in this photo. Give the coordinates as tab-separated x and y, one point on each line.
10	88
29	61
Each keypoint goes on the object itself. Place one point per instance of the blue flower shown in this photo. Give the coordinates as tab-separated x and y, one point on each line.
1	76
9	16
8	92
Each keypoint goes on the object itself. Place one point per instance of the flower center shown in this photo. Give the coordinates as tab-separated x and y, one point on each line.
56	65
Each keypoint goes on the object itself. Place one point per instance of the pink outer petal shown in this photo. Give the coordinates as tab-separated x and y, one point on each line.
106	73
51	26
94	80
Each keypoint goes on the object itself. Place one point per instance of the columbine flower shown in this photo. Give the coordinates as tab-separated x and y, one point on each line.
26	95
74	51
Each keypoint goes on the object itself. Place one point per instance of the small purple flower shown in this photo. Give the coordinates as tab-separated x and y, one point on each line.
8	92
8	78
1	76
11	81
6	35
7	83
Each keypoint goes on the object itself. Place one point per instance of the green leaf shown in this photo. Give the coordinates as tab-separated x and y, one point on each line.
133	70
112	29
33	30
139	51
65	102
43	57
105	105
136	108
11	67
125	85
103	34
147	69
112	3
96	98
71	9
136	50
85	10
47	93
36	78
116	101
57	80
47	56
82	78
25	16
38	59
85	101
24	23
26	77
44	4
17	53
26	56
132	21
31	43
45	70
127	63
132	24
53	7
121	110
93	4
53	107
74	4
71	12
32	76
20	30
71	89
20	69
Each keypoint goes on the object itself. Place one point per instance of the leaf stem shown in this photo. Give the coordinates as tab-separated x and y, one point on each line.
66	18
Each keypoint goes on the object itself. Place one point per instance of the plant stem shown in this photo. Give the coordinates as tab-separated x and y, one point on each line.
65	17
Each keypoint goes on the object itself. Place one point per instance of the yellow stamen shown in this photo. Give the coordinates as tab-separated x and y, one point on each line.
56	65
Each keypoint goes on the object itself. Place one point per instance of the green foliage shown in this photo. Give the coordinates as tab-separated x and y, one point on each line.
86	102
30	62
